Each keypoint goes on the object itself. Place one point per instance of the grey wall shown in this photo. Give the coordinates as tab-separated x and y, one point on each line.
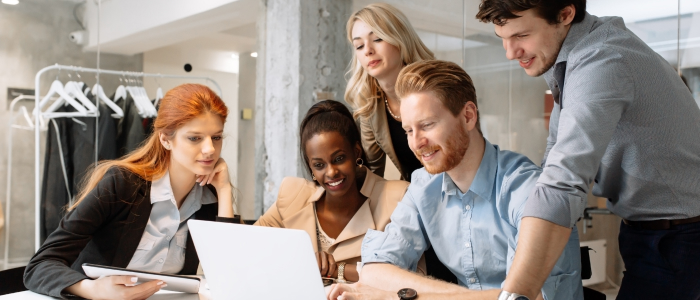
246	137
35	35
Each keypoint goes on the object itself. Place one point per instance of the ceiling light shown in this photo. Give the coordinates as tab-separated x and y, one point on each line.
252	54
11	2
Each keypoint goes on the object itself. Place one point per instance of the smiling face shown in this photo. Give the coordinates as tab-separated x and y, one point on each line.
332	161
534	42
377	57
196	146
438	138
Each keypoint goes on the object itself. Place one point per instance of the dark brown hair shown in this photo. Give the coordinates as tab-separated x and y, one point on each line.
328	116
446	80
500	11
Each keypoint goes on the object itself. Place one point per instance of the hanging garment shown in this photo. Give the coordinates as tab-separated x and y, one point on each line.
130	130
83	142
55	188
76	137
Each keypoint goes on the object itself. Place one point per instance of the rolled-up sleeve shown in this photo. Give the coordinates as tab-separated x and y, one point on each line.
402	242
597	91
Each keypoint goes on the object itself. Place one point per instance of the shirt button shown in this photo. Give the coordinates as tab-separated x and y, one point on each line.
468	207
160	261
468	244
168	237
472	280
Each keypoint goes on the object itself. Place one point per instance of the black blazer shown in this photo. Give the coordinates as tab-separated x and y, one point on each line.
104	229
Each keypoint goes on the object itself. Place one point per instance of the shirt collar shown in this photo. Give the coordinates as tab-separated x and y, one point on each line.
161	190
482	185
576	32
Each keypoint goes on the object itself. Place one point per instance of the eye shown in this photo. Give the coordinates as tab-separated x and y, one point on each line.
318	166
378	40
409	131
340	158
521	36
428	125
217	138
194	138
359	47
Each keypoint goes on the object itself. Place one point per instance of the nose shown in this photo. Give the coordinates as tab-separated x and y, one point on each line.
208	146
368	49
416	140
332	171
513	51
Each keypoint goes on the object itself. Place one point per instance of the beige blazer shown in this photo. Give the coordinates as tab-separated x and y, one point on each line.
294	208
376	141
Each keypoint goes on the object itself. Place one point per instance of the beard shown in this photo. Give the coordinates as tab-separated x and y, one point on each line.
452	154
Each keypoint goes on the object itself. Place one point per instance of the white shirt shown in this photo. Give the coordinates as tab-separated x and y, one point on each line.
164	241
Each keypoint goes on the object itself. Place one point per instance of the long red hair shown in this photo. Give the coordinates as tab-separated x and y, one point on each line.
150	161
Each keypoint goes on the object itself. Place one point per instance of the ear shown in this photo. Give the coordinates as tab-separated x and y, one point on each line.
567	14
358	150
164	140
470	114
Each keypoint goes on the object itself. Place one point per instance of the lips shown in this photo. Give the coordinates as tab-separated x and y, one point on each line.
373	63
336	184
207	162
428	154
526	63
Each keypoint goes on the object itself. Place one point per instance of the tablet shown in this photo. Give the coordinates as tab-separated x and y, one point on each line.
178	283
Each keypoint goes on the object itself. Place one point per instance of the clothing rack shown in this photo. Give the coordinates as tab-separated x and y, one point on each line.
37	117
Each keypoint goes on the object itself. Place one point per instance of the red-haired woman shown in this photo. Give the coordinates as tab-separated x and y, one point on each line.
132	212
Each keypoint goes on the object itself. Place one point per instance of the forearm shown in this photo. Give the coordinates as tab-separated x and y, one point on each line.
392	278
540	244
225	196
466	295
350	273
82	289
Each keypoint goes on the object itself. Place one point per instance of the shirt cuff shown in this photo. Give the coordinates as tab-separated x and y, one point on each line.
381	247
555	205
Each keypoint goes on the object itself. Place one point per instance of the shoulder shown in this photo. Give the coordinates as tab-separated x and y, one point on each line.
608	39
389	190
294	190
516	170
421	182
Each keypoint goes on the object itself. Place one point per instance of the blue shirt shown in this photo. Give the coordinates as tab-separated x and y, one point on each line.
474	234
622	120
164	241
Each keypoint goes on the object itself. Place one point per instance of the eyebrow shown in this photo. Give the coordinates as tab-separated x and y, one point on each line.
357	37
332	154
197	132
512	35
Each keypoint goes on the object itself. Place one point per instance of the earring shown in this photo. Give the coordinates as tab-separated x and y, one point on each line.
359	162
167	147
313	177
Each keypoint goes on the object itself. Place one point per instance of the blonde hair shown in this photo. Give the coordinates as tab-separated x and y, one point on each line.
392	26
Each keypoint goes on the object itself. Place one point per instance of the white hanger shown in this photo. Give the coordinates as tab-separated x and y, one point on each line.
159	95
57	88
99	92
74	89
142	102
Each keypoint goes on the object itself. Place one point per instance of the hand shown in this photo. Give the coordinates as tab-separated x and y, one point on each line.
115	287
218	177
358	291
326	264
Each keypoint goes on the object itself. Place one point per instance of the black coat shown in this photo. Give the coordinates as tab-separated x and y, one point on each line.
104	229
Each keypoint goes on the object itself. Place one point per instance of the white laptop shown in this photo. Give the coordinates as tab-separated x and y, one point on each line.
253	262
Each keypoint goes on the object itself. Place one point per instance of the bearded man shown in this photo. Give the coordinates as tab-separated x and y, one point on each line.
467	202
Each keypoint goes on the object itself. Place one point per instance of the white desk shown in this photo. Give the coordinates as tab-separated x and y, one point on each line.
204	294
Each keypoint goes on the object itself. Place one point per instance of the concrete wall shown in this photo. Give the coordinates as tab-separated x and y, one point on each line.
246	136
35	35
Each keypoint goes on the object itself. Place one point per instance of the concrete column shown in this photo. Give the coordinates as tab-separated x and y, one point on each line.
303	54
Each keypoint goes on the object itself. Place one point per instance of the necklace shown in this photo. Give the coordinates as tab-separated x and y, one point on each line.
389	109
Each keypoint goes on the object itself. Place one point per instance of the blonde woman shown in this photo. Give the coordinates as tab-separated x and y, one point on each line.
384	42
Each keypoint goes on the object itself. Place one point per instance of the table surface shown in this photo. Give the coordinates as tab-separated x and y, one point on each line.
204	294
